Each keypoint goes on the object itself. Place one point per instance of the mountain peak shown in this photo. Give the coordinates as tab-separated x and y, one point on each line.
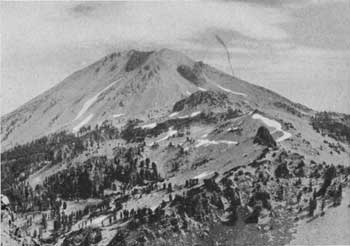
131	84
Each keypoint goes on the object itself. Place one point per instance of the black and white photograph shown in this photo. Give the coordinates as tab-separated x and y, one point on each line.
175	123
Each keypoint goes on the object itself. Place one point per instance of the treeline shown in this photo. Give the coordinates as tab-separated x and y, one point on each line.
288	108
99	133
19	161
24	198
43	148
335	125
22	160
87	180
98	174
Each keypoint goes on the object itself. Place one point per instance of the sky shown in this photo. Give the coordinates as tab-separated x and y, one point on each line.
300	49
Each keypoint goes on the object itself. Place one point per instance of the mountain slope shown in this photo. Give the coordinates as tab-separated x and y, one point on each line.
148	86
111	83
153	147
131	84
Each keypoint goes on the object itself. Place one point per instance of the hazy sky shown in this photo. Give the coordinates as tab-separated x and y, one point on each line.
300	49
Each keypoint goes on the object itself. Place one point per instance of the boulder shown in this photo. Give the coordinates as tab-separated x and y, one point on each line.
5	202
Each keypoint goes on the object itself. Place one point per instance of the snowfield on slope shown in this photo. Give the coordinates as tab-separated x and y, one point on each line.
273	124
206	142
203	175
149	126
195	113
186	116
82	123
170	133
117	115
97	221
233	92
90	101
173	114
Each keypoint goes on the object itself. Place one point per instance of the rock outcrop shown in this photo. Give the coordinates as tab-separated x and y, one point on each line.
264	137
83	237
207	98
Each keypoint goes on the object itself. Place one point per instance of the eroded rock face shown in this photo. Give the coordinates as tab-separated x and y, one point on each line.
191	74
209	98
264	137
83	237
136	60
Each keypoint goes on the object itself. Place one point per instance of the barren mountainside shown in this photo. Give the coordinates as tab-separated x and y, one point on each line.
128	85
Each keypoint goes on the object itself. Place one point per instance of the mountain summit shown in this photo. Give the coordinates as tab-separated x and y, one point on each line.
126	85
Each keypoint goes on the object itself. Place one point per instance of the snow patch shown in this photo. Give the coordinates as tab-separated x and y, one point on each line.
191	115
97	221
285	136
228	142
173	114
273	124
233	92
203	175
90	101
117	115
149	126
206	142
195	113
170	133
188	93
82	123
202	89
232	129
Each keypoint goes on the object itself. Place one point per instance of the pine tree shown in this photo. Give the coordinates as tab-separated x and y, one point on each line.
155	171
84	185
170	189
43	221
